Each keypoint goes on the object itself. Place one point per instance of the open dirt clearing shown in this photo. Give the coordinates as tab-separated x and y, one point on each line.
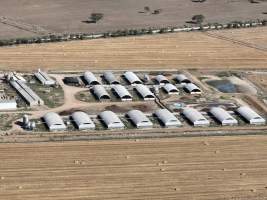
186	168
63	16
171	51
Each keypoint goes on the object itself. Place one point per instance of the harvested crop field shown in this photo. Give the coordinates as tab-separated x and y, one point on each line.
185	168
171	51
64	16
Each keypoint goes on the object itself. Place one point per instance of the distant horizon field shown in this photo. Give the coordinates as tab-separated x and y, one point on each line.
63	16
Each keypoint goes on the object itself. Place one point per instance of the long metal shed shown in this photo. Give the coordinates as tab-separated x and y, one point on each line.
110	78
132	78
27	93
167	118
144	92
111	120
170	88
54	122
181	78
122	93
223	116
192	88
161	80
100	92
91	79
195	117
139	119
44	78
82	120
250	115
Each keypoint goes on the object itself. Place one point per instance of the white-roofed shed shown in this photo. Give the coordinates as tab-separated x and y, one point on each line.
181	78
195	117
223	116
82	120
90	78
132	78
110	78
111	120
122	93
250	115
167	118
139	119
54	122
100	92
192	88
145	92
170	88
161	80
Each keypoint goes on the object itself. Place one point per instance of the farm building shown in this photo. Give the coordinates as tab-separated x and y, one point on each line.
161	80
122	93
71	81
181	78
132	78
170	88
223	116
144	92
82	120
90	78
8	104
192	88
195	117
14	76
111	120
44	78
167	118
250	115
54	122
30	96
100	92
110	78
139	119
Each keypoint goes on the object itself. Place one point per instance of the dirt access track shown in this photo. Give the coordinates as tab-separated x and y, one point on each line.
64	16
200	168
227	49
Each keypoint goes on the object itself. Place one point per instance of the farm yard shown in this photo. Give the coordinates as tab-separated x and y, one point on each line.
199	168
193	50
36	17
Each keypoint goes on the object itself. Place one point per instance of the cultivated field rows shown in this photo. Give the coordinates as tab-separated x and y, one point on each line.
184	168
171	51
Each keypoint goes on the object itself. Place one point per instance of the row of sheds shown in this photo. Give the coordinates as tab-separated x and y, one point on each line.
133	79
222	116
111	120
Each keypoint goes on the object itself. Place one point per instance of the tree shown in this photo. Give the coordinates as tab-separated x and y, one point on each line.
198	19
95	17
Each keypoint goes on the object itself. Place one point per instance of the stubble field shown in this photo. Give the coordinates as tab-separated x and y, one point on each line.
185	168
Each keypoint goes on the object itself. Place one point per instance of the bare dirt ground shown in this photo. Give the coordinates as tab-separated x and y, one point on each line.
63	16
169	51
216	168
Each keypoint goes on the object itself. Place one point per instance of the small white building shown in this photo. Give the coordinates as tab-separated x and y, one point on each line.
167	118
110	78
8	104
100	92
122	93
139	119
111	120
132	78
195	117
44	78
250	115
223	116
181	78
91	79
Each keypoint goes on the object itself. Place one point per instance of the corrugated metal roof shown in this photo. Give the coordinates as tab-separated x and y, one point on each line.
161	79
54	121
139	118
121	91
111	120
191	87
222	115
250	115
44	78
110	78
182	78
82	120
167	118
91	78
144	91
100	92
170	88
132	78
195	116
